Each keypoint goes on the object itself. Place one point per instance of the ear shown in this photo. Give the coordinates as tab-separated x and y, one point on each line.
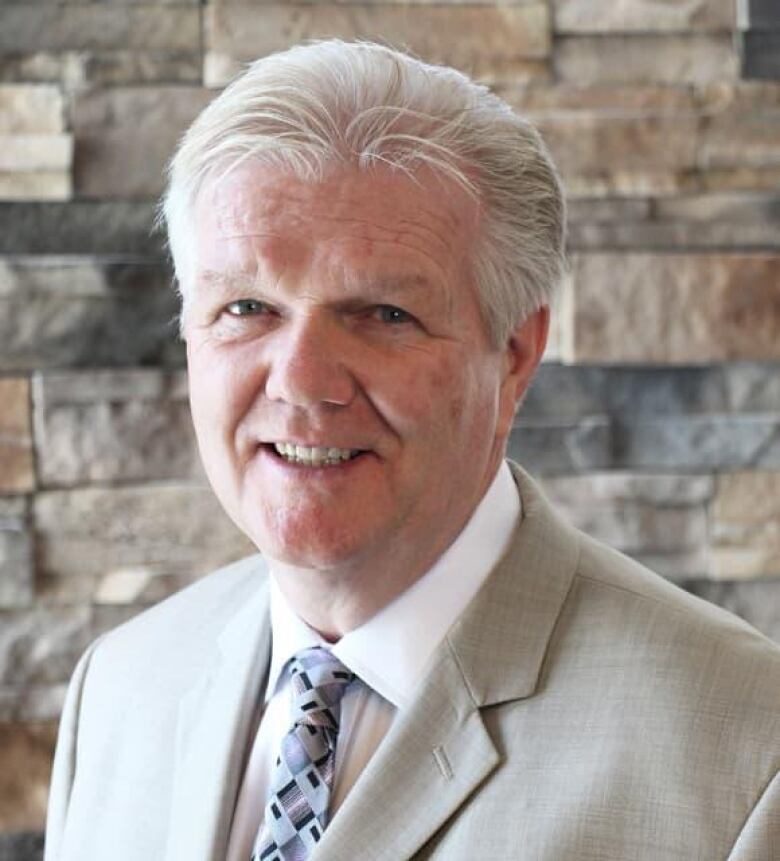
522	354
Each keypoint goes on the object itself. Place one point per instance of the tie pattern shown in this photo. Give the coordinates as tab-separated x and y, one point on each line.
297	809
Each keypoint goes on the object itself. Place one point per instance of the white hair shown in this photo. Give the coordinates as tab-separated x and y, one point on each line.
328	104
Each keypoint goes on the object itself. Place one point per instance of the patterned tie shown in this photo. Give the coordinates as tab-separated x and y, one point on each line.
297	808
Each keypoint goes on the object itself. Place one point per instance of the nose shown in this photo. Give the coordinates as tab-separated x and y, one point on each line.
308	365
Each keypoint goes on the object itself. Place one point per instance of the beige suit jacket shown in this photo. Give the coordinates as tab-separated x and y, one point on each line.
581	708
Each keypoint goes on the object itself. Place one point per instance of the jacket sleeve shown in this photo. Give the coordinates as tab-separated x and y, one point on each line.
759	839
64	768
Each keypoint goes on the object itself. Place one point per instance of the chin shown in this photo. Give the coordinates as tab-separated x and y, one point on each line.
330	550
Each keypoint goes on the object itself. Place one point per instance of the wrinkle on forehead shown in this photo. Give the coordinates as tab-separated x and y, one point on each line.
283	206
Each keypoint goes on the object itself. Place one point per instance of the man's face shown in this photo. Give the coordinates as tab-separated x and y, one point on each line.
342	317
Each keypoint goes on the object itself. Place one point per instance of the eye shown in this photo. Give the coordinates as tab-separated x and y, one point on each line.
391	314
246	308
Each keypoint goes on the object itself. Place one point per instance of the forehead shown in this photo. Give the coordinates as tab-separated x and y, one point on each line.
258	214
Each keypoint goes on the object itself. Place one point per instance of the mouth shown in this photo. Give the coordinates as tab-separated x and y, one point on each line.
314	456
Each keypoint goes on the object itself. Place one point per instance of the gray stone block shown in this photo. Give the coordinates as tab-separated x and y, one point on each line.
569	391
106	426
46	26
80	227
756	602
67	311
647	393
660	520
21	846
129	545
32	702
751	388
17	572
761	54
553	446
694	443
39	648
126	136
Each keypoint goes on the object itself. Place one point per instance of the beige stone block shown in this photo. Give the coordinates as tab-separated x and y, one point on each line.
675	308
721	97
79	70
643	16
746	525
629	183
636	100
586	143
35	152
47	27
594	210
646	59
741	235
741	179
30	109
26	751
131	544
109	426
128	67
16	458
127	135
741	131
35	185
486	41
725	206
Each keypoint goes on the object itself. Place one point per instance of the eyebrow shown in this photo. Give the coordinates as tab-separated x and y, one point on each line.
227	282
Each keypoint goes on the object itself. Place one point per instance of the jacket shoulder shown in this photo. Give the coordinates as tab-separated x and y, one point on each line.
181	630
602	568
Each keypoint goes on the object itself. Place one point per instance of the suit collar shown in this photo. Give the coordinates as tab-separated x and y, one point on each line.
438	750
501	640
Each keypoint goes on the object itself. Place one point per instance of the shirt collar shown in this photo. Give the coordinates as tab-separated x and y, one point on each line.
390	651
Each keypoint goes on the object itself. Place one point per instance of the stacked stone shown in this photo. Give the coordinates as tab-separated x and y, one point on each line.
655	422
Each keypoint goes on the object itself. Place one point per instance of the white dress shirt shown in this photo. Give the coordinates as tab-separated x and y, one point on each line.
389	655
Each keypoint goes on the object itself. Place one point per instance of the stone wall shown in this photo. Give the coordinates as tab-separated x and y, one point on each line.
655	422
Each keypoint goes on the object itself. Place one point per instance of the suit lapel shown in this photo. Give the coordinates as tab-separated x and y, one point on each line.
213	724
438	750
435	754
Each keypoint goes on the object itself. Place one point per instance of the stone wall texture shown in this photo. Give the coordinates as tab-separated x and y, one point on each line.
654	422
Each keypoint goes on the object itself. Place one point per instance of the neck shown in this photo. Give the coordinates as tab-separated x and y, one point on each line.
334	601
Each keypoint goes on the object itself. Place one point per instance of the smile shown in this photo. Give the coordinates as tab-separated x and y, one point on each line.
314	455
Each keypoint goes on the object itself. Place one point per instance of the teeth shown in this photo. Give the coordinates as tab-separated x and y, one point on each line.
314	455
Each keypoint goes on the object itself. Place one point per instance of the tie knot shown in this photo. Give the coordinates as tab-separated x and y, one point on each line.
319	681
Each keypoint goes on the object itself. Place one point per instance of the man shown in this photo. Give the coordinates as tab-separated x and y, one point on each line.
425	662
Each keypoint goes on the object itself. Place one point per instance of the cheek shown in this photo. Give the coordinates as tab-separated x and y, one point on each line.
219	388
